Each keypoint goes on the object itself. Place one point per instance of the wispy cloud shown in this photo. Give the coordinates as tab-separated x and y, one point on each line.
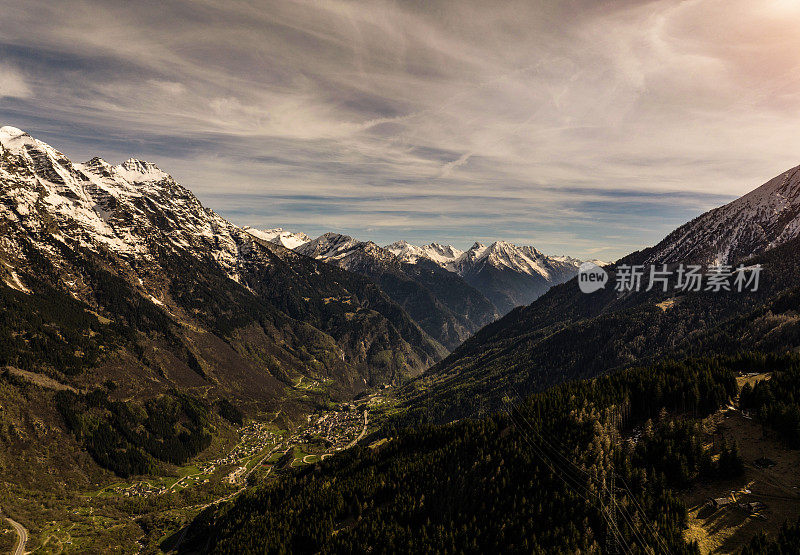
12	83
542	122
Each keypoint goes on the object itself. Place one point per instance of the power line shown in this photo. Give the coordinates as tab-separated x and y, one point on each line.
646	519
569	462
613	528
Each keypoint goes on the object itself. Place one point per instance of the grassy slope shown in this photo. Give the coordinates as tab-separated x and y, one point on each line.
728	530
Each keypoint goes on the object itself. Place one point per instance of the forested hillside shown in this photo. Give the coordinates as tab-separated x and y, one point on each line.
776	402
567	334
534	477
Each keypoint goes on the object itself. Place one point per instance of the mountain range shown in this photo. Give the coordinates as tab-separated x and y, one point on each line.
443	304
545	405
190	299
567	334
138	327
506	274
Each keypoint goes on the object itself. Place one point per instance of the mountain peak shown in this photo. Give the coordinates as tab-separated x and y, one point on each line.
443	255
96	161
279	236
98	166
764	218
9	132
12	138
135	170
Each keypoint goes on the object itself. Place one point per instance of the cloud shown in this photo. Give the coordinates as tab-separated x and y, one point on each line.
12	83
535	121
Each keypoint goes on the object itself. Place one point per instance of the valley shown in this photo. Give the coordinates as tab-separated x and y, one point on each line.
346	277
161	506
172	382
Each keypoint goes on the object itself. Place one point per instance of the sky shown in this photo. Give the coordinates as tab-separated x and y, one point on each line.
583	127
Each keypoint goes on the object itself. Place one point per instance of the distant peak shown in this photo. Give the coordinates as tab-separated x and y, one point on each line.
97	163
141	166
98	166
477	246
333	236
279	236
135	170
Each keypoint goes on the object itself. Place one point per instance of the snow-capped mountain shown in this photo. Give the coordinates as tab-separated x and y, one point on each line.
212	304
500	254
506	274
524	259
443	255
125	209
446	307
762	219
344	251
509	275
279	236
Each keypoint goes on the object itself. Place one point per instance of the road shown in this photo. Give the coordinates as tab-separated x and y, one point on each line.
289	444
22	536
362	434
228	497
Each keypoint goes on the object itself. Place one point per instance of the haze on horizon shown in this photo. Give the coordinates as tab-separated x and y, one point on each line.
589	128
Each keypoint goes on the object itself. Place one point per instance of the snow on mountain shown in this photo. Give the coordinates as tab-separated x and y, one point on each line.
133	245
443	255
134	171
507	274
762	219
131	210
578	262
443	303
279	236
345	252
500	254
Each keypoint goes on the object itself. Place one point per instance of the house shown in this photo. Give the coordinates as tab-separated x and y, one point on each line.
720	502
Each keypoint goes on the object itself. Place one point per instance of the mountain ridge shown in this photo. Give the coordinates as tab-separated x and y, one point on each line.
766	217
566	334
139	250
507	274
446	307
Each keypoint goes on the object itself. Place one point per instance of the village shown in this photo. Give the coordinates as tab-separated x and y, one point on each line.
332	431
336	429
253	439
